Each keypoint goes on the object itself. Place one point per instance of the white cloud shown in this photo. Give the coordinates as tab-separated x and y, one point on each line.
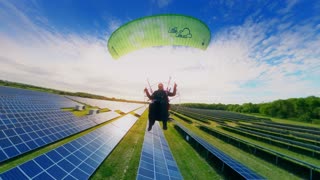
162	3
289	5
113	23
236	57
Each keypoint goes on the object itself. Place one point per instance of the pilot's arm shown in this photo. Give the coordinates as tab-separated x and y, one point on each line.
147	93
174	91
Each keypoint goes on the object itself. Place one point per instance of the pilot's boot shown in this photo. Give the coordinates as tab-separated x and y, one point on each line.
165	125
151	122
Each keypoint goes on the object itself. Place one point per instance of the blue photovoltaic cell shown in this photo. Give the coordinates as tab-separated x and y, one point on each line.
77	159
239	168
57	125
156	160
14	144
14	96
14	173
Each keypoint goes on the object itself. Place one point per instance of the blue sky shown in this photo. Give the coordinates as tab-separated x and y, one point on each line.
259	51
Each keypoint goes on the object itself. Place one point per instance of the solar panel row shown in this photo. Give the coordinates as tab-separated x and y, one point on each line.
236	166
293	125
112	105
289	141
101	118
16	141
14	96
8	121
290	128
216	114
283	131
77	159
140	111
56	101
5	90
156	160
13	109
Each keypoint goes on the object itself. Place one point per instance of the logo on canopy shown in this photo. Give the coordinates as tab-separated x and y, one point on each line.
183	33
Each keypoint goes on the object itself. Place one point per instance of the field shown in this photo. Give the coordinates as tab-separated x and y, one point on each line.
268	148
297	146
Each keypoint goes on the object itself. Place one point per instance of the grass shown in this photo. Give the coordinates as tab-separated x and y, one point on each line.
266	169
104	110
190	168
28	156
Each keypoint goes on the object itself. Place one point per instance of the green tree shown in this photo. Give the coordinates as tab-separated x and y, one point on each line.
316	113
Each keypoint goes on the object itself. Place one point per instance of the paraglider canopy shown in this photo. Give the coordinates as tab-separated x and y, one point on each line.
159	30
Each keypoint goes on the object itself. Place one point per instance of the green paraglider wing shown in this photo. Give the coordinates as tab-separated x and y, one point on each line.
159	30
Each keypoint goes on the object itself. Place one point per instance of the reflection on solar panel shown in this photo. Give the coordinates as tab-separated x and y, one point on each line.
156	160
77	159
140	111
236	166
112	105
103	117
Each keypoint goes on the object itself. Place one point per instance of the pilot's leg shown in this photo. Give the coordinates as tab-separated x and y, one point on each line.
151	123
151	116
164	121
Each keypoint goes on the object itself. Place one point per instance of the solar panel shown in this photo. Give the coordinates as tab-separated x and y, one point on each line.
77	159
296	129
17	120
16	141
140	111
210	114
236	166
18	108
112	105
103	117
282	139
31	119
32	137
24	97
156	160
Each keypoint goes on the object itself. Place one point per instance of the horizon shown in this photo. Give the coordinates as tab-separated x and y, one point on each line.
130	100
259	52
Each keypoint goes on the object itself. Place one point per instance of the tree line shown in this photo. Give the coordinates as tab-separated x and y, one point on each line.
302	109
